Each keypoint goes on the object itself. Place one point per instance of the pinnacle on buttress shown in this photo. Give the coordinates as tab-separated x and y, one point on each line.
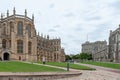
47	36
14	11
7	13
25	12
33	17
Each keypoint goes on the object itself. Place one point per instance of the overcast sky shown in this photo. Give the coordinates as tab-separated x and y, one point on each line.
71	20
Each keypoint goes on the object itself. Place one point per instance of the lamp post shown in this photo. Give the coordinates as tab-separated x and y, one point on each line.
68	66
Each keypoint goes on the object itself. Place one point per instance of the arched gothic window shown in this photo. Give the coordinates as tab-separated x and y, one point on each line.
29	47
55	56
4	43
11	26
29	30
19	46
20	28
10	43
4	29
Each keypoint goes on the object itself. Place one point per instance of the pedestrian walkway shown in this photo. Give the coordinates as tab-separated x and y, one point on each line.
100	68
98	74
53	66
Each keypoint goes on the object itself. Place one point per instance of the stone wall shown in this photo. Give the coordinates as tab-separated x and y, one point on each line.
38	76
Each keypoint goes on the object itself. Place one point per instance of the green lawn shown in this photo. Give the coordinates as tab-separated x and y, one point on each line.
103	64
73	66
25	67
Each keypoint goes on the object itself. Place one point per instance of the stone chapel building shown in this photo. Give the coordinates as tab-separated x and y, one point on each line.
19	41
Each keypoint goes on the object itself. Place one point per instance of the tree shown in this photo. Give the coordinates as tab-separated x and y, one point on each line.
67	57
85	56
90	57
77	56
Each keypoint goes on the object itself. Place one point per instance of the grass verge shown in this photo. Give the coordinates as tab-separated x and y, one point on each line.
73	66
104	64
25	67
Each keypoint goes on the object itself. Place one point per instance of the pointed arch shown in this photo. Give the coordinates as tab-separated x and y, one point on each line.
11	26
4	29
29	30
4	43
6	56
29	47
19	46
20	28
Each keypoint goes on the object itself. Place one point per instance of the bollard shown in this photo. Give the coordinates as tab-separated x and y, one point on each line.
68	66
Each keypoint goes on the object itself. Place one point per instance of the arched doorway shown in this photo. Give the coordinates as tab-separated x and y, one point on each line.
6	56
19	57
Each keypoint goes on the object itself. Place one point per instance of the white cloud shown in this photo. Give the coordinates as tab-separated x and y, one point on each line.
71	20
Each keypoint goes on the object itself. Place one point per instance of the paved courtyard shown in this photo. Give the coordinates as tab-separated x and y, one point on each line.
99	74
95	75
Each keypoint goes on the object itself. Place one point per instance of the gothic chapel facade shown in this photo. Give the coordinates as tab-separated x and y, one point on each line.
19	41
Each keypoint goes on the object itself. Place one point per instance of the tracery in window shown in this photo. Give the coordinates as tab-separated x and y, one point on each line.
4	43
29	30
20	28
29	47
19	46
